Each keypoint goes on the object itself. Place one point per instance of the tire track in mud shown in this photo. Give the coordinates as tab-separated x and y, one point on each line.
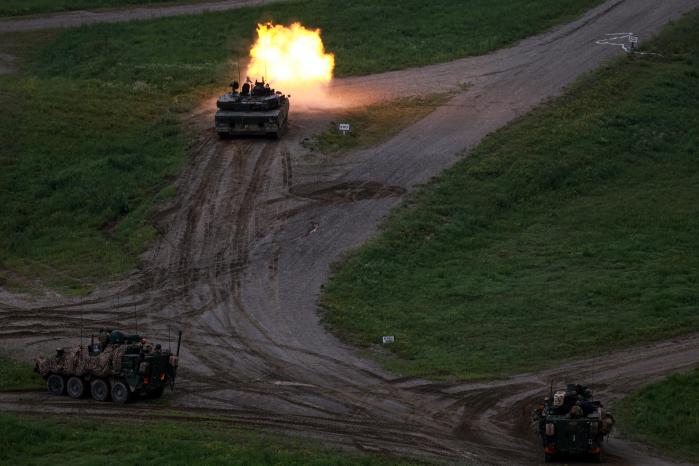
245	217
350	433
243	220
246	245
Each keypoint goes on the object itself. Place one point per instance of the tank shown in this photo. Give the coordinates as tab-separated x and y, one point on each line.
257	110
572	423
117	366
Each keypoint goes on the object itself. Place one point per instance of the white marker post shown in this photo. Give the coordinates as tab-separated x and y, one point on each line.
345	128
389	339
634	42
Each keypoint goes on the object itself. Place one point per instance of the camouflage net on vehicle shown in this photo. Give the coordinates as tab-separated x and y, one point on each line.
77	361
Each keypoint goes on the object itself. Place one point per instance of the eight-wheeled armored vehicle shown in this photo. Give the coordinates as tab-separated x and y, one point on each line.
119	366
572	423
256	110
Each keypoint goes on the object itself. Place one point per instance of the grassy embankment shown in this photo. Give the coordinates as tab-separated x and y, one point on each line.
18	376
28	7
91	130
571	232
373	124
665	415
41	442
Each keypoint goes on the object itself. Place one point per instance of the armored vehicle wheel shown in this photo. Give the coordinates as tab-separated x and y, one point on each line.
75	387
99	390
120	392
56	384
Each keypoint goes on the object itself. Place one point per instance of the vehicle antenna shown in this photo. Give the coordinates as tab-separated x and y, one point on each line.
238	63
177	356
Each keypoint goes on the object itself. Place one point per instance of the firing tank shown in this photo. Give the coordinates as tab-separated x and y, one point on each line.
117	366
257	110
572	423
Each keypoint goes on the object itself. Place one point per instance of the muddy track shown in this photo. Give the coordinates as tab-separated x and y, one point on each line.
71	19
247	243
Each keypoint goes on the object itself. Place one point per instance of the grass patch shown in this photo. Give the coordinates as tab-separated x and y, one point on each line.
365	36
90	130
665	415
18	376
72	198
27	7
46	442
571	232
373	124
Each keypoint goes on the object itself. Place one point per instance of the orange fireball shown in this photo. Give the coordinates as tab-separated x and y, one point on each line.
290	56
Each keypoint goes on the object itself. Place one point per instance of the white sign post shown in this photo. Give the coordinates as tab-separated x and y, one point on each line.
389	339
344	127
634	42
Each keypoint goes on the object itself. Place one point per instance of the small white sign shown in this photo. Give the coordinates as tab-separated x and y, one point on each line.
633	39
344	127
389	339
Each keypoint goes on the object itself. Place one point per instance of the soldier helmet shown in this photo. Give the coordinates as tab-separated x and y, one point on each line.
559	398
116	337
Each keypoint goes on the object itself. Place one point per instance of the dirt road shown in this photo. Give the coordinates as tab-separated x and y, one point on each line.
71	19
248	240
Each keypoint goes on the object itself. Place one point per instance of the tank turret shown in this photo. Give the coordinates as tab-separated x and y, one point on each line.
256	110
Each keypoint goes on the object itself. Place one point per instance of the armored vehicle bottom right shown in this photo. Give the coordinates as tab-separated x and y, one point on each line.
572	423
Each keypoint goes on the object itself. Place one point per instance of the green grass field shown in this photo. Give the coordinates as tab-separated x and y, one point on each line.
18	376
373	124
137	441
664	415
27	7
91	130
570	232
